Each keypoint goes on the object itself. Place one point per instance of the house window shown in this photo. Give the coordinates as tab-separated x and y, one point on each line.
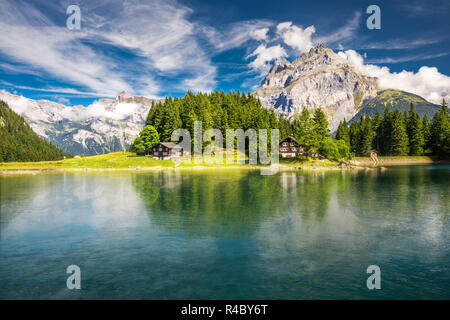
160	148
294	149
292	144
284	144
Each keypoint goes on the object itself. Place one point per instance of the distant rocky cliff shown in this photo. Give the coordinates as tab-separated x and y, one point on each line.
317	79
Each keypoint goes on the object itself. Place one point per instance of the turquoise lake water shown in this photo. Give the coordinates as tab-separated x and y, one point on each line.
226	234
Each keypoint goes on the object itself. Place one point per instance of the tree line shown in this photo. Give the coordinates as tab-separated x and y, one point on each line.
399	134
235	110
218	110
394	133
18	142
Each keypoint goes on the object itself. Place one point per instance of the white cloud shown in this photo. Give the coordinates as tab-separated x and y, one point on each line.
407	58
427	82
260	34
296	37
157	32
264	55
236	34
398	44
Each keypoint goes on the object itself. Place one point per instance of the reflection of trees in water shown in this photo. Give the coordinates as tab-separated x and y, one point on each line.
232	202
235	202
212	203
314	193
396	191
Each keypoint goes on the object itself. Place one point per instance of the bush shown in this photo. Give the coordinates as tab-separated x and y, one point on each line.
335	150
147	139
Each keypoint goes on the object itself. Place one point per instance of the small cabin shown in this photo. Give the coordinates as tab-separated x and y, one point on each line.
289	147
166	150
372	153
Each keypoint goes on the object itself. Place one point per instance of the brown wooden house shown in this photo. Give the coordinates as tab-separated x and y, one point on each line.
289	147
166	150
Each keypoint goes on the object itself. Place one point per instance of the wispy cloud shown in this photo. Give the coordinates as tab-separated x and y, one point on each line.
421	8
344	34
400	44
70	91
427	82
419	57
166	45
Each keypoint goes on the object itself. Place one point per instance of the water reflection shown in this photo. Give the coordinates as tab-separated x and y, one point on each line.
226	234
209	203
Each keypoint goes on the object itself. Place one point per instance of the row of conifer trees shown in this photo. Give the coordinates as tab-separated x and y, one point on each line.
399	134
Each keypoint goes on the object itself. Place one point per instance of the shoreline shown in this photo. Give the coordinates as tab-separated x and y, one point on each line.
396	161
160	168
123	161
353	167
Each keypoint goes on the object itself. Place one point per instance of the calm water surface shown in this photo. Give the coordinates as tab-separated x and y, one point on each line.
230	234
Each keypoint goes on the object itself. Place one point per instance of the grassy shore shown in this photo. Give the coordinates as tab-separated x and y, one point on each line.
393	161
130	161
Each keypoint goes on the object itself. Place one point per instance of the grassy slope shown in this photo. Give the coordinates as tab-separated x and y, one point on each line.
127	160
111	160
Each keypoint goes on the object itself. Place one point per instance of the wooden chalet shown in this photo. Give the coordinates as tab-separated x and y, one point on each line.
166	150
289	147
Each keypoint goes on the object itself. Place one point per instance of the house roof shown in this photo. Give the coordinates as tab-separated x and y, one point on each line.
291	138
169	145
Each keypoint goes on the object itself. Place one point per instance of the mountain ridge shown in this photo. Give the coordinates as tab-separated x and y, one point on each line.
107	125
18	142
396	99
321	78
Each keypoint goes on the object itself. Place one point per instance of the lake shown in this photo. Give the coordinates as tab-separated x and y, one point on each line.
226	234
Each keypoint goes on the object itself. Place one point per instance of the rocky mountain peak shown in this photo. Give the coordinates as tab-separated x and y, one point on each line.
123	96
319	78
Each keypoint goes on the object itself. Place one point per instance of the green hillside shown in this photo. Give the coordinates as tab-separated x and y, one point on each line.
396	99
18	142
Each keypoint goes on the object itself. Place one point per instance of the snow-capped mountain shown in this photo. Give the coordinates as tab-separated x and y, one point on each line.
319	78
105	126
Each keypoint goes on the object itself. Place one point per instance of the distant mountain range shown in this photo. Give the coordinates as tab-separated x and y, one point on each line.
105	126
18	142
319	78
396	99
322	79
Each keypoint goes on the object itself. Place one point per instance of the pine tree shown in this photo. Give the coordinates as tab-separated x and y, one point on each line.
376	127
440	131
415	133
321	125
426	133
305	131
343	132
385	132
399	145
353	134
366	136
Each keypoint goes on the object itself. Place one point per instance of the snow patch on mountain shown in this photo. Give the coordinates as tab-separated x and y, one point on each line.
107	125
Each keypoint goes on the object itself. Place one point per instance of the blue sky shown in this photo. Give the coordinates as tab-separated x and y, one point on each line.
160	48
